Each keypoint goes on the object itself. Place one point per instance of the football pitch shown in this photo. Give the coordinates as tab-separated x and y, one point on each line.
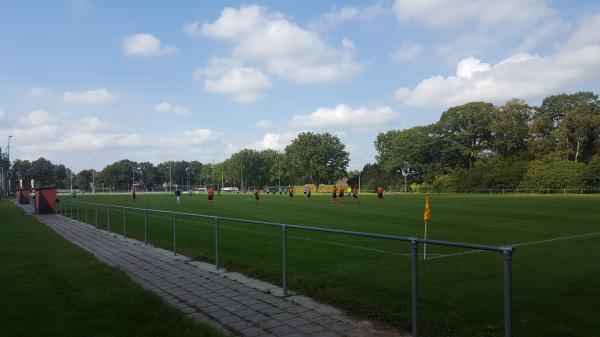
556	267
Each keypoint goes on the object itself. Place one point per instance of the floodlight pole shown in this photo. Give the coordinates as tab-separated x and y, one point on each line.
187	169
93	175
241	172
8	160
222	165
2	171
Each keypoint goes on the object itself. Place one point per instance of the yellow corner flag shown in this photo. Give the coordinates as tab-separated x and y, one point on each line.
427	214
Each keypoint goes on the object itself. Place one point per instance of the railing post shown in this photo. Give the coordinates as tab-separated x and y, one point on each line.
285	260
414	245
145	227
96	215
174	233
508	291
217	243
125	223
108	218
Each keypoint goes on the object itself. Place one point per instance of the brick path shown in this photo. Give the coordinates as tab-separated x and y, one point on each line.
234	308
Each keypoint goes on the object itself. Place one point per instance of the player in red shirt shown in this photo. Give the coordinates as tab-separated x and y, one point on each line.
211	196
380	193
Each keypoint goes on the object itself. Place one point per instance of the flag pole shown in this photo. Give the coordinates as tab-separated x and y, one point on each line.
425	244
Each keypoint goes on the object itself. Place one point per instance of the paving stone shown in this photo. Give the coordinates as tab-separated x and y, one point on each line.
310	328
252	332
282	330
297	321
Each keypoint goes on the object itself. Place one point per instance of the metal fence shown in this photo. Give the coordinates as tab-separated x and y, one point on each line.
517	191
72	209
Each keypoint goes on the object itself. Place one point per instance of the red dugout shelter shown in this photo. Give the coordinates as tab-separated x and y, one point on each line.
24	195
45	200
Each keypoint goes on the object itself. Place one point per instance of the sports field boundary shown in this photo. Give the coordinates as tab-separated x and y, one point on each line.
505	251
211	296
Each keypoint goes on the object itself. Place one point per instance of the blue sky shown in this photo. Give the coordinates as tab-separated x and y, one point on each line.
91	82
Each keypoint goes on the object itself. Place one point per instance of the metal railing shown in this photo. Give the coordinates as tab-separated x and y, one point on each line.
506	251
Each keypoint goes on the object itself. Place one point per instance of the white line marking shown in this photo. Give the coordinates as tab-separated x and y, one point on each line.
524	244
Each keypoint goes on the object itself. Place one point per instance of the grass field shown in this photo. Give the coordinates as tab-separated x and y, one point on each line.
49	287
555	283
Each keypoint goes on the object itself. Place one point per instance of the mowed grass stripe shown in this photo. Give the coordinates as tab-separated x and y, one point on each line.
50	287
461	296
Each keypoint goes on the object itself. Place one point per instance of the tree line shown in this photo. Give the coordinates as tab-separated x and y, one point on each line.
476	145
310	158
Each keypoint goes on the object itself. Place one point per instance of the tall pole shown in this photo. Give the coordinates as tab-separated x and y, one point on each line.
170	181
94	175
2	171
241	173
222	165
359	183
8	160
132	176
71	180
187	169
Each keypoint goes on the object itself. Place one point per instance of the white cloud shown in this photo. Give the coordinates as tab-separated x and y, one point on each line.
287	50
339	16
145	45
274	141
230	77
37	92
576	62
2	114
466	13
189	138
37	117
342	115
264	124
92	97
48	134
162	107
177	109
408	51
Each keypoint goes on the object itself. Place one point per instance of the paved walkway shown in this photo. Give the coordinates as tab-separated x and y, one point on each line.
234	308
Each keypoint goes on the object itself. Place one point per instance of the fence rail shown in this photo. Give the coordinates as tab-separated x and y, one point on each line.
66	209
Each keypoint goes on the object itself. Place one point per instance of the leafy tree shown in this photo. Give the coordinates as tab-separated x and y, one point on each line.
567	125
21	169
84	180
553	175
419	152
61	173
510	128
316	158
468	127
42	171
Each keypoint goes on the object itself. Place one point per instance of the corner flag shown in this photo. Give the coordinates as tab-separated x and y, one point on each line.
427	214
426	217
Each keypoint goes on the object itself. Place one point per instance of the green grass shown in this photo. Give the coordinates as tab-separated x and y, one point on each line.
49	287
555	285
